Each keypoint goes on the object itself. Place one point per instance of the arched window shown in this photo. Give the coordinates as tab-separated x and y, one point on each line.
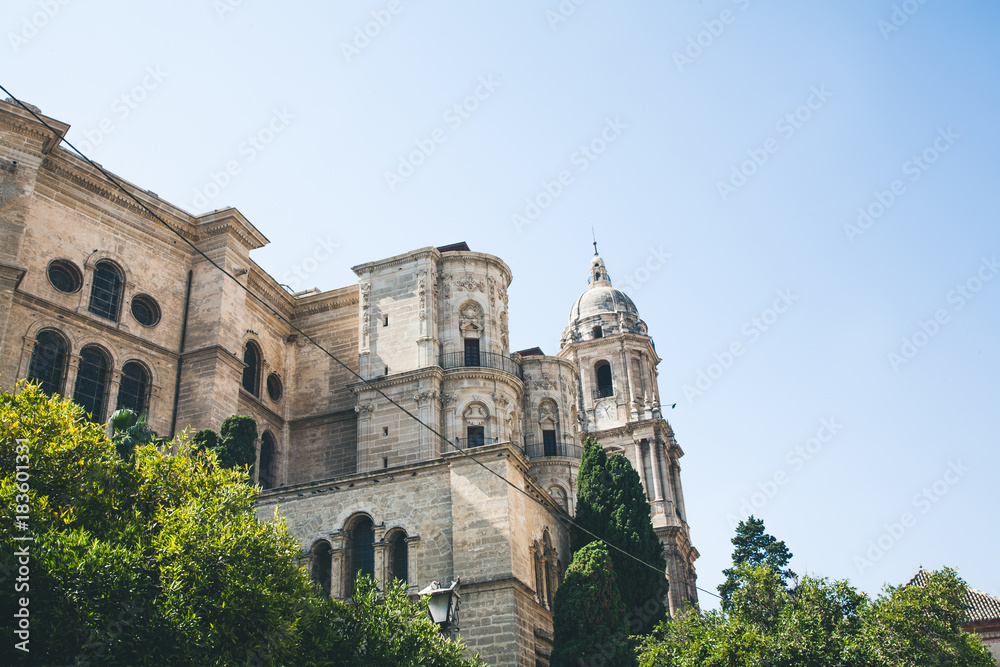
91	390
322	564
362	552
251	372
106	290
398	557
48	361
266	476
133	390
474	421
605	387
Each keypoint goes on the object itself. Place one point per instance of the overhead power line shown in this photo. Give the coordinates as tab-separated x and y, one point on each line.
566	519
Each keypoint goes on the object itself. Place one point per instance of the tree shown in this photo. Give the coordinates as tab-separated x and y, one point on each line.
611	504
234	445
377	629
159	558
589	617
237	442
204	439
130	430
913	626
753	547
818	623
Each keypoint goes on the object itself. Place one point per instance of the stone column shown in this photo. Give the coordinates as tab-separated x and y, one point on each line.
412	562
338	565
113	386
380	548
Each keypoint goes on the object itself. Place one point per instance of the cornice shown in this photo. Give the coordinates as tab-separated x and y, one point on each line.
324	301
256	403
628	337
396	260
349	483
397	380
323	419
72	318
483	373
462	256
257	282
103	188
23	123
218	352
540	359
230	221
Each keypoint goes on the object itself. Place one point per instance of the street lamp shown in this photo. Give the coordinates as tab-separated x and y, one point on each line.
443	605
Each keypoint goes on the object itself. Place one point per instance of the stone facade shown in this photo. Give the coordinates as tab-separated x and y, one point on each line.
102	302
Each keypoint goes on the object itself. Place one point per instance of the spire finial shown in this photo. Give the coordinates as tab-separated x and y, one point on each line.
594	234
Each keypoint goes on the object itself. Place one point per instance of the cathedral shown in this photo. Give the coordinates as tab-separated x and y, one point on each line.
101	302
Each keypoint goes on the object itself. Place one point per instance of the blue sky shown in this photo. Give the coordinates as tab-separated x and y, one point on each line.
722	150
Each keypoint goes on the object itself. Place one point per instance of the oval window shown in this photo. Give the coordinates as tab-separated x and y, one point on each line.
64	276
145	310
274	388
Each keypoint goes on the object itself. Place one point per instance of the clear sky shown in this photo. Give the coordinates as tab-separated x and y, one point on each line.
812	184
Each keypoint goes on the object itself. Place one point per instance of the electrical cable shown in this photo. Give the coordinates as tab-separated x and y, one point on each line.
567	519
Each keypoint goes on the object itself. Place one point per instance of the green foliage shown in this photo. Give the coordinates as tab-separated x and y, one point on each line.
237	439
159	559
377	629
913	626
611	503
129	431
589	618
820	623
205	439
753	547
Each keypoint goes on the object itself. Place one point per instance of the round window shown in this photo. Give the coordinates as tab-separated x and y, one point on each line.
64	276
274	389
145	311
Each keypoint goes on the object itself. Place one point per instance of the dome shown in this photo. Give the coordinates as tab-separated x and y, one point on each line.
599	300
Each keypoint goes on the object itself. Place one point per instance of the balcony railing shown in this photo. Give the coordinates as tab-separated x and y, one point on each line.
491	360
603	392
540	449
469	443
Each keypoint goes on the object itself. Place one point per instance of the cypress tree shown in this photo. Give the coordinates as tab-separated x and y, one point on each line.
611	504
237	439
589	617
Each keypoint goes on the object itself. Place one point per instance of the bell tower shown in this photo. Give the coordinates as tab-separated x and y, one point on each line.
619	405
